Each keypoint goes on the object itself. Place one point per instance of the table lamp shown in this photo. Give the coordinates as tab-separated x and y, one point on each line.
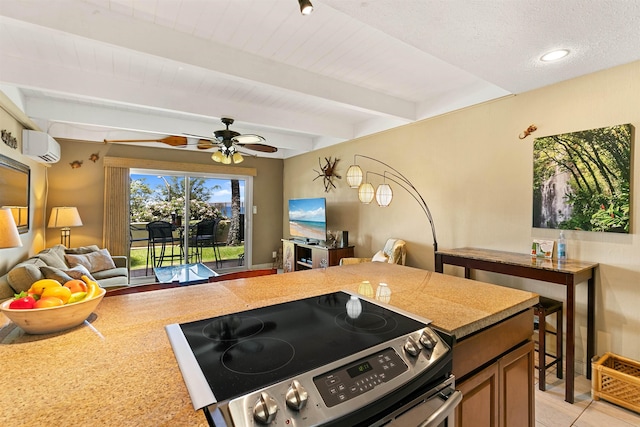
65	217
9	237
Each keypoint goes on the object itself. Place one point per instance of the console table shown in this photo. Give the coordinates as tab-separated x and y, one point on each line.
567	273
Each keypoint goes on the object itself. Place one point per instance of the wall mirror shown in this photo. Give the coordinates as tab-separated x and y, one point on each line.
14	182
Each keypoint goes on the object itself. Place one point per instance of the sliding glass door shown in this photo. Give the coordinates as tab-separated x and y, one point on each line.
184	200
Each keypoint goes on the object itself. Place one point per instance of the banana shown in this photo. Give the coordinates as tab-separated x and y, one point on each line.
77	297
93	289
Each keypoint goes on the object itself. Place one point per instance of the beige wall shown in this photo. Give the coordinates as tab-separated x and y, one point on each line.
33	240
476	176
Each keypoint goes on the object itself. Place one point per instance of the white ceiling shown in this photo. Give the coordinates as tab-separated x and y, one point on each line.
118	69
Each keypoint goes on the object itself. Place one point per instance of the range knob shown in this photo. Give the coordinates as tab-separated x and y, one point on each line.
412	347
265	409
427	340
296	396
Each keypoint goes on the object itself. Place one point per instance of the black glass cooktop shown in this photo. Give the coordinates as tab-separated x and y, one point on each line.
242	352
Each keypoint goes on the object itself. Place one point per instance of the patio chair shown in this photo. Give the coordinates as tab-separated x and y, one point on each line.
161	241
205	237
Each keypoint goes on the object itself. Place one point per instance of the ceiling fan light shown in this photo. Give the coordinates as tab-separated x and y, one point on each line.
248	139
384	195
237	158
365	193
305	7
217	156
354	176
226	160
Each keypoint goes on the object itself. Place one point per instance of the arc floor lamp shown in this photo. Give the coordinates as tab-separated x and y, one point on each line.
384	193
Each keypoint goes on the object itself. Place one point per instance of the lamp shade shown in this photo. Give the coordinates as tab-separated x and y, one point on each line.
64	217
217	156
366	192
384	195
354	176
237	158
9	237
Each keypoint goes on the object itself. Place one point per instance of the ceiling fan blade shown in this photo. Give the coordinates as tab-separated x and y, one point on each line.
193	135
259	147
205	144
174	141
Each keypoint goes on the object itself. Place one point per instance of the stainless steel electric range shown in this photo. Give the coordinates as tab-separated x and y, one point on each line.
334	359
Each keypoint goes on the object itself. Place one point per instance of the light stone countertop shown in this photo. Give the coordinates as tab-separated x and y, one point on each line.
119	369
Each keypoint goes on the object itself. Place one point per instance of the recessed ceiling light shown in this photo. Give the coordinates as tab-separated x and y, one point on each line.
554	55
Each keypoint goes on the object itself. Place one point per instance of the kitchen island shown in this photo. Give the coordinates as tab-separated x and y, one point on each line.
118	368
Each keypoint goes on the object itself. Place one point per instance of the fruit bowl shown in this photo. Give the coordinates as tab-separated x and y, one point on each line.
52	319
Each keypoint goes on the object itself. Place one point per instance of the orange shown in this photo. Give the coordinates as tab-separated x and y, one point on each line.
46	302
39	286
76	286
61	292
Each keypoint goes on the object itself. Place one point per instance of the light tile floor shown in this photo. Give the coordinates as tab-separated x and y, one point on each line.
553	411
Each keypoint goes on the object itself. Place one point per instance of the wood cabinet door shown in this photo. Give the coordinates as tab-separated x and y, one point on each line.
500	395
479	406
517	398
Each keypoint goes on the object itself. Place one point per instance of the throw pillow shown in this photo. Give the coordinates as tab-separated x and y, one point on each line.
380	257
22	277
78	271
94	261
52	260
55	274
82	250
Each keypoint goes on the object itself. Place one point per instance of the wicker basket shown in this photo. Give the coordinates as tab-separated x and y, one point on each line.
617	379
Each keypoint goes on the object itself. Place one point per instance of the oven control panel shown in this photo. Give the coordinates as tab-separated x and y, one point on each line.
334	391
359	377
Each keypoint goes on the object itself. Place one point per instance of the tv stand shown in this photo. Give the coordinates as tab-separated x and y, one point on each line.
304	256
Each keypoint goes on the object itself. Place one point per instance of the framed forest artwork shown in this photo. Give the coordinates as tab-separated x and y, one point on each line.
581	180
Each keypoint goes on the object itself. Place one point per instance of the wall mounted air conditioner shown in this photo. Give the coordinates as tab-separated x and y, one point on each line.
40	146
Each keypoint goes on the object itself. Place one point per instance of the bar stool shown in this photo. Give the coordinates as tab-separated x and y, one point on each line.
544	308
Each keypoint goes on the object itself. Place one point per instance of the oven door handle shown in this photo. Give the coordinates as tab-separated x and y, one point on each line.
443	411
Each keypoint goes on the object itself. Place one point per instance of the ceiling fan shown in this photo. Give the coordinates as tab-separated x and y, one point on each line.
227	141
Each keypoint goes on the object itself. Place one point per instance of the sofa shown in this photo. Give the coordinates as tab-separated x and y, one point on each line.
63	264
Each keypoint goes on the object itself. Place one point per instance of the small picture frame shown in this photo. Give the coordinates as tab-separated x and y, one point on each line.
542	248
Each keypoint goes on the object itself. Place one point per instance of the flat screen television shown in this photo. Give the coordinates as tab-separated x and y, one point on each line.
308	219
